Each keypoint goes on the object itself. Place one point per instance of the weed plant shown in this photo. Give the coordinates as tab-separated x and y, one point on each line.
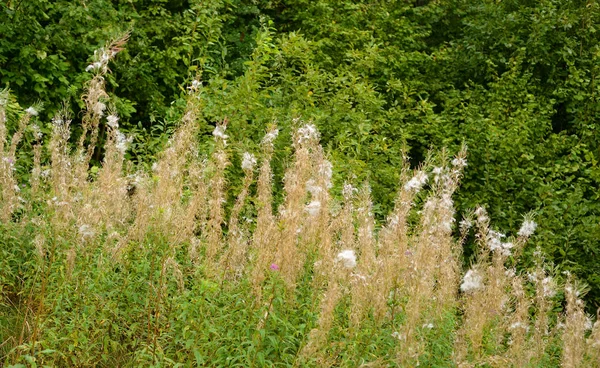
123	267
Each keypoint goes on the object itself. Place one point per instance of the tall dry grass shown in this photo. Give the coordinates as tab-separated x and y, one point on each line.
405	278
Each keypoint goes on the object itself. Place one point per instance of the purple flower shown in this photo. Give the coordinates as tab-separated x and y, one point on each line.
274	267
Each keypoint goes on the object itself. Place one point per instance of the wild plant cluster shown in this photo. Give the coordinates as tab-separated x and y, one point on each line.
119	267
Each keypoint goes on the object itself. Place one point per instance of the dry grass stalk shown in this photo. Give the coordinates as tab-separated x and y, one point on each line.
263	244
288	255
575	325
233	261
217	198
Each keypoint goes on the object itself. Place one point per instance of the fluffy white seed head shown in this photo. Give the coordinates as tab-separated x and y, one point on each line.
347	258
472	281
527	228
313	208
31	111
248	161
417	182
219	132
112	121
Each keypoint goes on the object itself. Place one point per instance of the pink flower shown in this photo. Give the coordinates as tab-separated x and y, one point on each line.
274	267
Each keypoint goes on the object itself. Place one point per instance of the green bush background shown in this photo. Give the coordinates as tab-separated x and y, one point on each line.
514	79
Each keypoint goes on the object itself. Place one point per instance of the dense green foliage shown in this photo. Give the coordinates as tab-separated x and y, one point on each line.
515	80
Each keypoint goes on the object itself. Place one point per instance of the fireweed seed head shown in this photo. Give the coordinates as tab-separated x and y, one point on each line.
112	121
31	111
248	161
527	228
417	182
313	208
219	132
472	281
347	258
307	133
270	136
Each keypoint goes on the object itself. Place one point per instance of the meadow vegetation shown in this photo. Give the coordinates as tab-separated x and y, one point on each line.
175	263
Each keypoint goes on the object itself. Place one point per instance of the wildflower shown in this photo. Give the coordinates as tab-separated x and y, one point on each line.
347	257
219	132
31	111
472	281
37	132
122	142
548	287
398	335
248	161
459	162
313	188
428	326
99	108
93	66
307	133
313	208
527	228
465	225
274	267
270	136
195	85
112	121
326	170
86	231
588	323
348	190
417	182
520	325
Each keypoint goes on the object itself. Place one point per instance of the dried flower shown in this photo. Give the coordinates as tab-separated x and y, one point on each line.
31	111
459	162
527	228
248	161
313	208
347	258
417	182
112	121
219	132
472	281
270	136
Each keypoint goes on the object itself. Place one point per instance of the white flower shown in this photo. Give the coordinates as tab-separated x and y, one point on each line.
459	162
86	231
326	170
313	188
428	325
588	323
37	132
348	190
520	325
398	335
270	136
31	111
112	121
472	281
307	133
94	66
248	162
99	108
313	208
417	182
347	258
195	85
219	132
122	142
548	287
527	228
